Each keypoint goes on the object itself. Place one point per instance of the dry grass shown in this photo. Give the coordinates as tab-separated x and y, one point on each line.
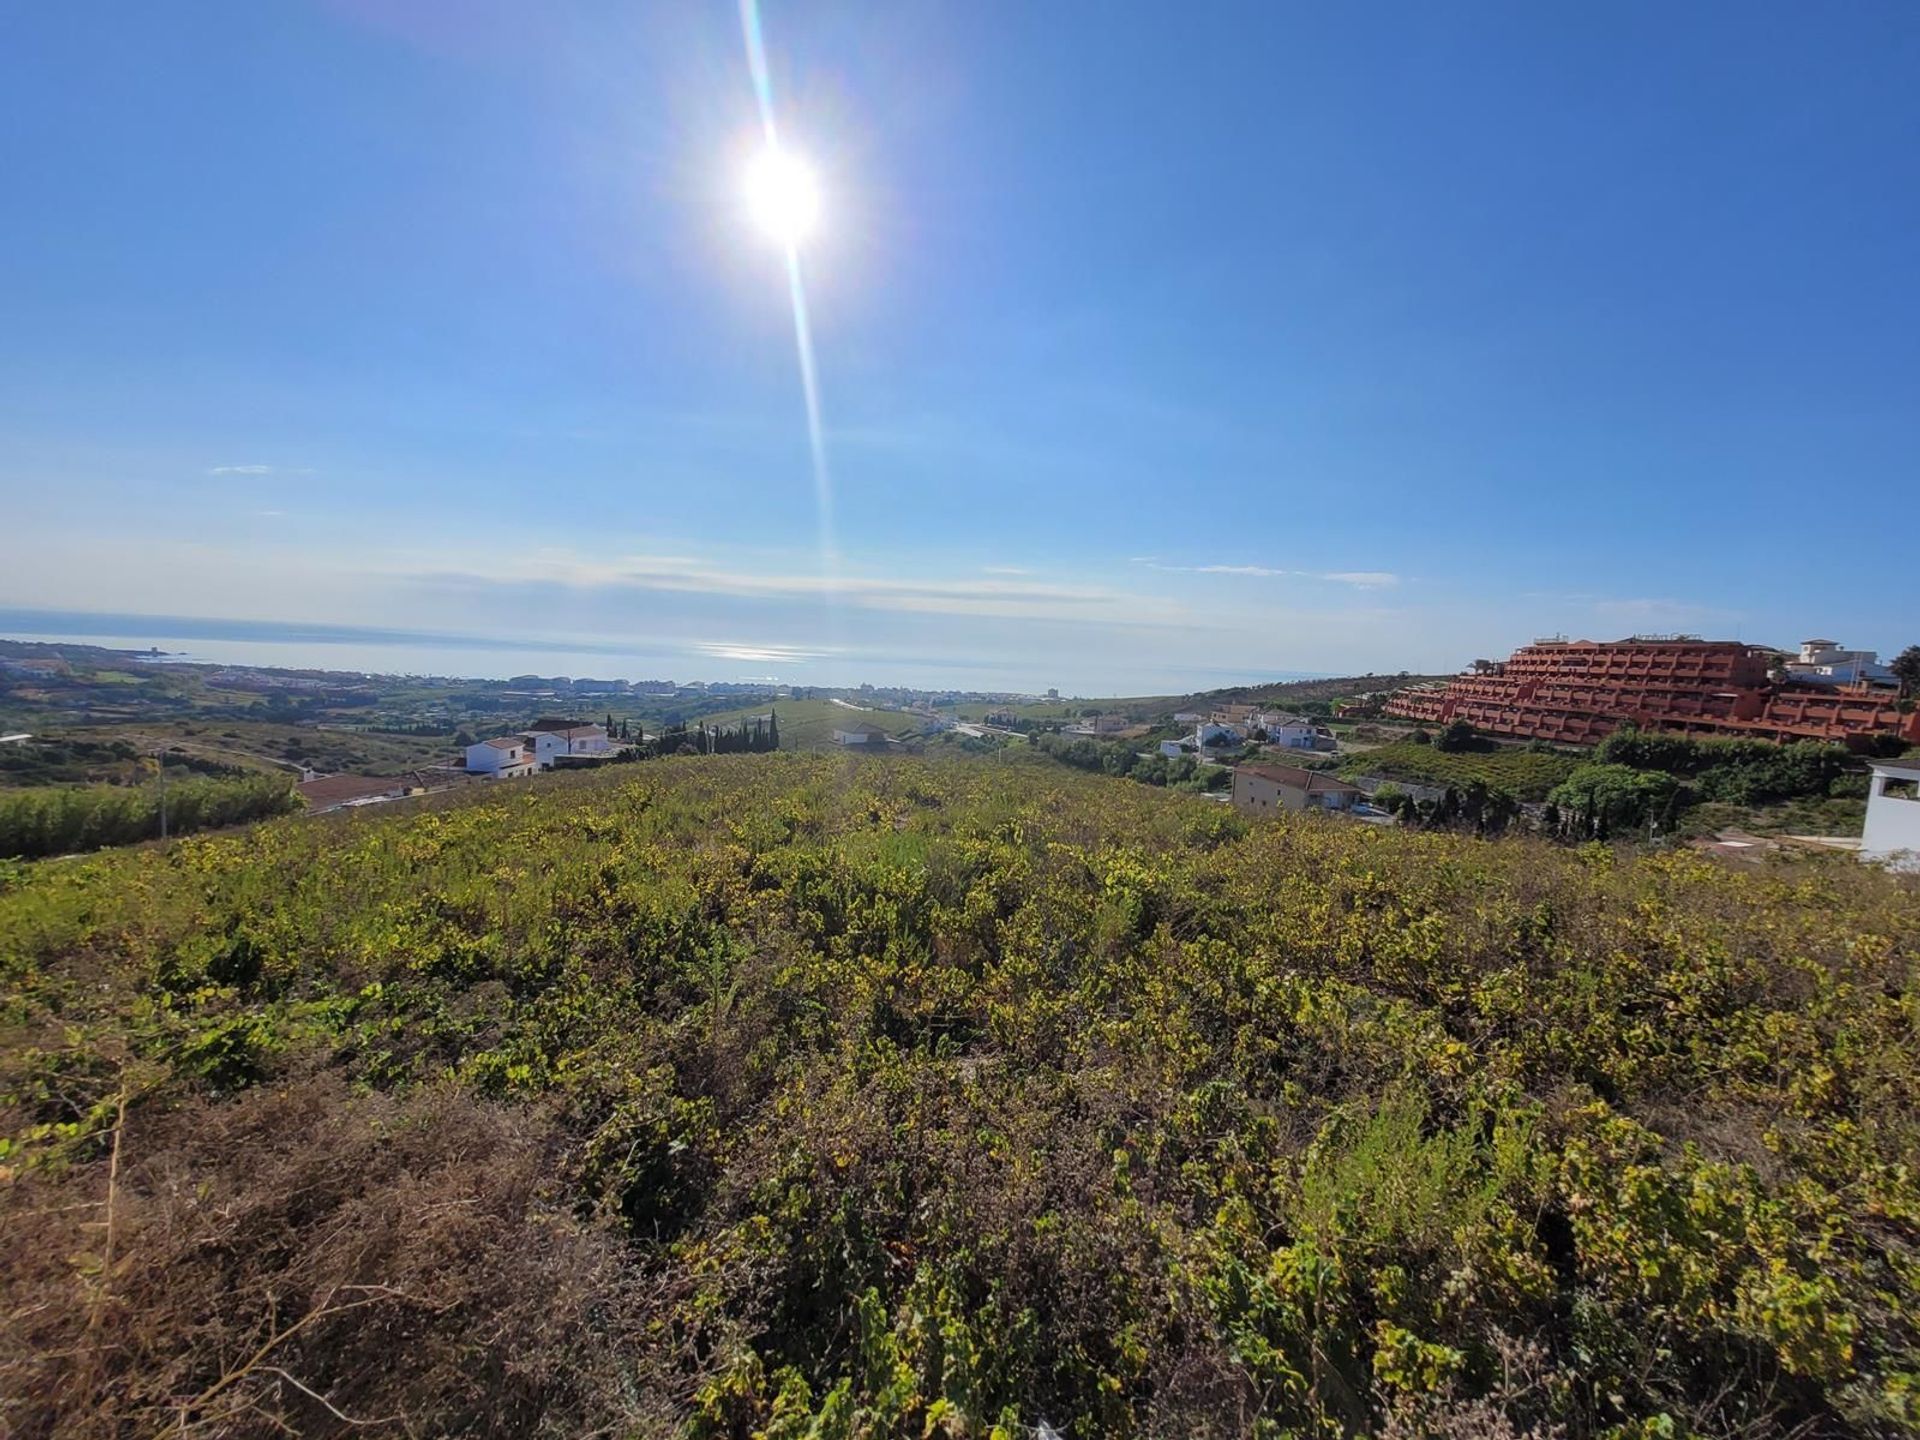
306	1260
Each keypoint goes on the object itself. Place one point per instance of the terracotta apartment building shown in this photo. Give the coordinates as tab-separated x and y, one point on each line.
1580	691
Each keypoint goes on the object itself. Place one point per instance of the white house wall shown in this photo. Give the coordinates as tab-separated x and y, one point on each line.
1893	826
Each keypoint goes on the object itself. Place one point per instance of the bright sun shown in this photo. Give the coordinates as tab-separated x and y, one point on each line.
782	195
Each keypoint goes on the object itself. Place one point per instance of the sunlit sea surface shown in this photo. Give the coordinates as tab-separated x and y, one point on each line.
405	652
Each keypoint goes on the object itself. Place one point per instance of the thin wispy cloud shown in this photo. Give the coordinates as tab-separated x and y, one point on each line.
757	653
1360	579
1006	596
1365	579
257	470
1643	612
1646	611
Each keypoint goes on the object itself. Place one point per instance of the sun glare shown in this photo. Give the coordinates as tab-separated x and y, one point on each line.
782	195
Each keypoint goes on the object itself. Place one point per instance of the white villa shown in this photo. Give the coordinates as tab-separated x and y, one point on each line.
551	739
507	756
1293	731
1892	833
1210	738
1827	662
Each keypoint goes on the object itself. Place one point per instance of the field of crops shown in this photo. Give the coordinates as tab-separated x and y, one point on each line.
819	1096
1524	774
809	724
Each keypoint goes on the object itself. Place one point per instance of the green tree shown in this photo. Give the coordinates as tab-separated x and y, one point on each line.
1603	799
1906	669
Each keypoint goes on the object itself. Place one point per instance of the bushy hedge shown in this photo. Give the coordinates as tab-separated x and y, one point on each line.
63	819
1745	772
1125	758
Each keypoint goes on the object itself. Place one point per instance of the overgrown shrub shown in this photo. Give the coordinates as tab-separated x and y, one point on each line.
1747	772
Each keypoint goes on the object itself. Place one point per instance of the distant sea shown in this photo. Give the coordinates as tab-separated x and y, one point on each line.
376	651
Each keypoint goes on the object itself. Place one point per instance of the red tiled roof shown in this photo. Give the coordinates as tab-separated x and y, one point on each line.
1298	779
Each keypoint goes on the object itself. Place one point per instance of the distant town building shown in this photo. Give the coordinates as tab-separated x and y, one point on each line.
1581	691
1266	789
1892	833
1824	662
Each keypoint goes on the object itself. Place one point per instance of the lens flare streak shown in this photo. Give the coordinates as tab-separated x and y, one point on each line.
802	329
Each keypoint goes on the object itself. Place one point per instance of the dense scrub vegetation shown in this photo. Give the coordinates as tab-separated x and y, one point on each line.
1633	779
62	819
772	1096
1525	774
72	760
1305	694
1125	757
1741	772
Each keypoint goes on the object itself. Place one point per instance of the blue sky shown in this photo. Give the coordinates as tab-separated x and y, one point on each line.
1157	345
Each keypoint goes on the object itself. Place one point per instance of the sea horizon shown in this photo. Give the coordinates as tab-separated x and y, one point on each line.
369	650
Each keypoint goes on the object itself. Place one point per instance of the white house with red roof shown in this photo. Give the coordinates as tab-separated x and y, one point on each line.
536	748
504	758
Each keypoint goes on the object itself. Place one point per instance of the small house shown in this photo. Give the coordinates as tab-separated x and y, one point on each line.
551	739
505	757
1267	789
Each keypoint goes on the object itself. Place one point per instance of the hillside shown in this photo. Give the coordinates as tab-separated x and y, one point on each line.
1299	692
783	1096
809	724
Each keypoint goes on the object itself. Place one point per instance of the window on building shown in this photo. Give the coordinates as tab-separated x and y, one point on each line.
1895	787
